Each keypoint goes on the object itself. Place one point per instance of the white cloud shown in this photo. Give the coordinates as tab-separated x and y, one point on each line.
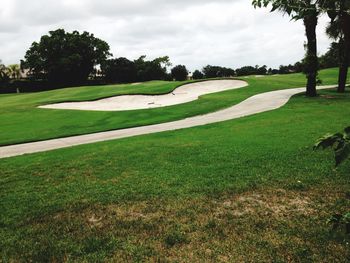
194	33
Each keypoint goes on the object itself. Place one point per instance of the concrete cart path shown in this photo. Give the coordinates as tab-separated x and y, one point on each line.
182	94
253	105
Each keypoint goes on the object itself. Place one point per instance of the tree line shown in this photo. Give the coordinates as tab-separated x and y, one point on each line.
123	70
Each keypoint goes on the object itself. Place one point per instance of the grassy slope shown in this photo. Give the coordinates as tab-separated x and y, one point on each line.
249	190
24	122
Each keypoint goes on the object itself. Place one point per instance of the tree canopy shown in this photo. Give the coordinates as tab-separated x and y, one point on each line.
197	74
179	73
119	70
65	58
152	70
217	72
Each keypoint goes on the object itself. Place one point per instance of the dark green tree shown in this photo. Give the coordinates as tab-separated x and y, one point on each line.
179	73
119	70
331	58
217	72
65	58
197	75
246	71
152	70
308	11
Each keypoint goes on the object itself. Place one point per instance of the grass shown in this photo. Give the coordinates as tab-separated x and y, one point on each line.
246	190
25	123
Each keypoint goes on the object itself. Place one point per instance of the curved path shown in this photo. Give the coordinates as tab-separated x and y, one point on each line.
256	104
182	94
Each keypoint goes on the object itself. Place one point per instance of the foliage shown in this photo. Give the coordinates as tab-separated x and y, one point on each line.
65	58
217	72
339	142
152	70
249	70
179	73
197	75
3	73
331	58
297	9
14	71
119	70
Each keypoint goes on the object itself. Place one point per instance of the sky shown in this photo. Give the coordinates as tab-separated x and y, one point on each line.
195	33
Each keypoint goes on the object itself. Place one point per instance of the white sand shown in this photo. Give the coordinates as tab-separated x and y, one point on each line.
183	94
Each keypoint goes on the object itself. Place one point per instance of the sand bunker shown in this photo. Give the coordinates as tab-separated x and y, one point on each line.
183	94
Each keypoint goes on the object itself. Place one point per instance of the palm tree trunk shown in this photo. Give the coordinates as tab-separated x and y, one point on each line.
343	68
311	67
344	53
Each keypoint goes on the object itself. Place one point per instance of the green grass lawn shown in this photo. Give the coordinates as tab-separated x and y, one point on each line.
246	190
25	123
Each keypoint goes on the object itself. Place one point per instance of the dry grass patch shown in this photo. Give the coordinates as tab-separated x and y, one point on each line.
261	226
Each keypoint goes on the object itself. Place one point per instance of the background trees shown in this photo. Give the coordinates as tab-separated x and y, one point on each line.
65	58
119	70
217	72
123	70
250	70
331	58
3	73
179	73
152	70
14	71
197	75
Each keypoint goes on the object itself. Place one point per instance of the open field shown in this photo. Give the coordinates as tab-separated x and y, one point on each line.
246	190
24	122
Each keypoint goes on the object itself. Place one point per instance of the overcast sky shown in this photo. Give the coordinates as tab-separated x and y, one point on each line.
192	32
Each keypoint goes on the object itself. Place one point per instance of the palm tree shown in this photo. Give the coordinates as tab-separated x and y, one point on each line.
339	28
3	71
14	71
308	11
